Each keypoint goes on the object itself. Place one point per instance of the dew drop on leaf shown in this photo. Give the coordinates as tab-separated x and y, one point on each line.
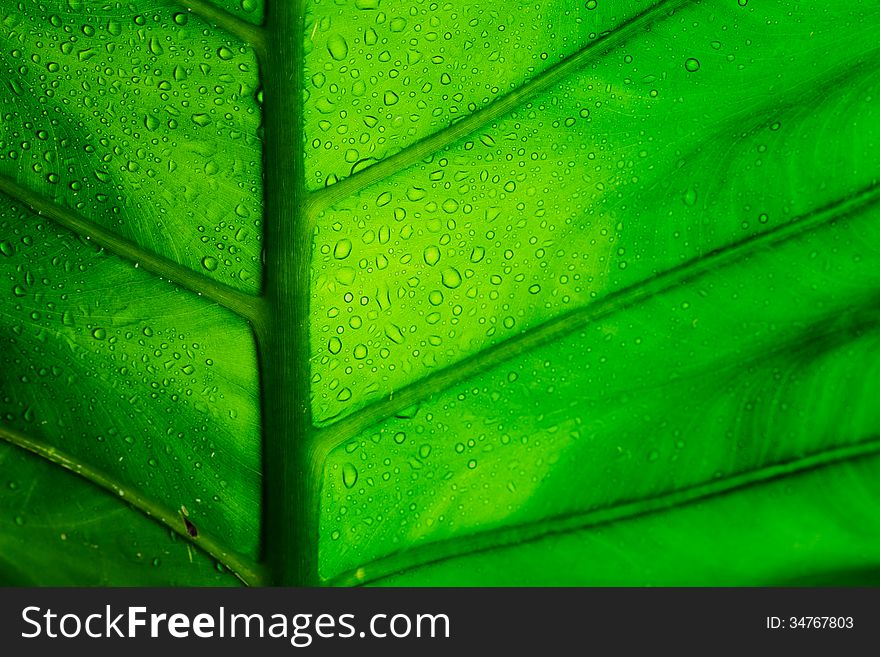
451	278
393	333
450	205
432	255
337	46
346	275
210	263
349	475
342	249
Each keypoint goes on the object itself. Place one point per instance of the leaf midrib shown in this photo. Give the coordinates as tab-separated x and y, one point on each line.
254	310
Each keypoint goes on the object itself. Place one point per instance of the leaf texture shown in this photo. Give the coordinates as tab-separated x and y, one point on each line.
421	293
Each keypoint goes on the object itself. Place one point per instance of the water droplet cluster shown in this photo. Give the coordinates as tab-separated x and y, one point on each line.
144	122
129	375
381	75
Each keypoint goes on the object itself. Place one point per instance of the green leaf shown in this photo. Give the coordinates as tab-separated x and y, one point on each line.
421	293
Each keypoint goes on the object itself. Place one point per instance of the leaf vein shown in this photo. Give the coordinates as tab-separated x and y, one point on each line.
336	434
324	198
249	573
247	32
245	305
567	524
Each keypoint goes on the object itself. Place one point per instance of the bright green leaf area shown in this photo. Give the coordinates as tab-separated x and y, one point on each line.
760	535
459	293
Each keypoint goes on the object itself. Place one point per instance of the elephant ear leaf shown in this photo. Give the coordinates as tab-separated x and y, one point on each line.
395	293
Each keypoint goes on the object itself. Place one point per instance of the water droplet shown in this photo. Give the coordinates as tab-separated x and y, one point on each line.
334	346
337	46
692	65
225	53
99	333
349	475
450	205
201	120
6	248
210	263
393	333
390	98
342	249
451	278
432	255
346	275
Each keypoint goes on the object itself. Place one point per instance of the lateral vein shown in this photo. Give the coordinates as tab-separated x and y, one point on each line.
247	32
441	551
245	305
336	434
244	569
323	198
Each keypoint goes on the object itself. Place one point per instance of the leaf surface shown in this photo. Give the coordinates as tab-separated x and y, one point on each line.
417	293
